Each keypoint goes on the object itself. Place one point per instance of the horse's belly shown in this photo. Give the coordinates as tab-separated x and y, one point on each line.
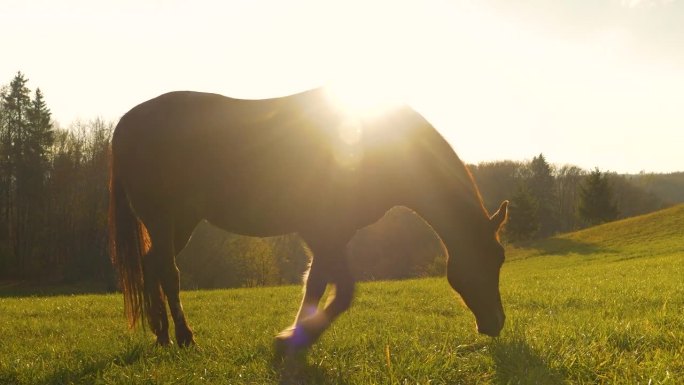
249	217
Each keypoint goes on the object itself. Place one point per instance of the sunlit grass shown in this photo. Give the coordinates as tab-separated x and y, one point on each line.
601	306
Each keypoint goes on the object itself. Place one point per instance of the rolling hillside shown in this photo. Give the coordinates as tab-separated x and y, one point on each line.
657	233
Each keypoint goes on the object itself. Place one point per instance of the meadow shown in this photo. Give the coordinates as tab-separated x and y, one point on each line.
603	305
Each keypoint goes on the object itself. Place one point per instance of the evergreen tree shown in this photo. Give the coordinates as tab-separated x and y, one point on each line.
523	220
35	146
16	103
597	203
5	258
568	179
541	185
25	141
40	134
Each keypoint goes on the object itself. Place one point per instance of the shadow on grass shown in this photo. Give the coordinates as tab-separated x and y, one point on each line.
517	363
88	372
18	289
296	370
564	246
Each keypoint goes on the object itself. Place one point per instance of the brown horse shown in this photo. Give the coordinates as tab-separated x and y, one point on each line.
293	164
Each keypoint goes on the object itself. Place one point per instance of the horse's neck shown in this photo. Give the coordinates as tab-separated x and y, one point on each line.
450	202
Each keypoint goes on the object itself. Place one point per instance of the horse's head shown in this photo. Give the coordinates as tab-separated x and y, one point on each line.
475	276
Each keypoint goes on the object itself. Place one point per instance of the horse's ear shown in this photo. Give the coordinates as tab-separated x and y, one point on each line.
500	216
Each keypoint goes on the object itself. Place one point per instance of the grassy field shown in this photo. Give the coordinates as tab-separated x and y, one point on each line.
604	305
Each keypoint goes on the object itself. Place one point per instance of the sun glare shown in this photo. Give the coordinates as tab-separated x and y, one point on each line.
358	100
363	99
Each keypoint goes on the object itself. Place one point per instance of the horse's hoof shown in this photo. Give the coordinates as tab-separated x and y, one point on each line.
280	346
291	342
187	343
163	341
185	339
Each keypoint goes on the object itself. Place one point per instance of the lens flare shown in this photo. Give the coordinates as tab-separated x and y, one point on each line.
348	149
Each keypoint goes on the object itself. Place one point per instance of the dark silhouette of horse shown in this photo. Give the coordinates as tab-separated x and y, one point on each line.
300	164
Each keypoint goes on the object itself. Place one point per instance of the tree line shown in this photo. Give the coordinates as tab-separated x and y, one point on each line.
54	196
547	199
53	191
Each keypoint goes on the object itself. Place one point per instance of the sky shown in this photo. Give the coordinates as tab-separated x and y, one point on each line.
594	83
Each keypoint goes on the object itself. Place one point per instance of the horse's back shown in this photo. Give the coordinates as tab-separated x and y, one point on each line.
265	165
193	116
221	155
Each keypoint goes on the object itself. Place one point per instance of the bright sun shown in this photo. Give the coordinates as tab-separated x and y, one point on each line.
359	99
364	97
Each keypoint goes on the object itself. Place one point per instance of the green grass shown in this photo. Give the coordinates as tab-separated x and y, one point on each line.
604	305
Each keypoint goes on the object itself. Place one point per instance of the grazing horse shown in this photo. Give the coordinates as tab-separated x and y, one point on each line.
295	164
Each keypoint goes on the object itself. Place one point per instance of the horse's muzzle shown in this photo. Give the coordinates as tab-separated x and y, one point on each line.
489	332
492	328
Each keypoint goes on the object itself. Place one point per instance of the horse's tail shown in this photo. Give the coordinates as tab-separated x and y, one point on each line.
128	242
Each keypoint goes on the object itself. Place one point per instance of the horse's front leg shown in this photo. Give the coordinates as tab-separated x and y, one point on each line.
314	287
311	322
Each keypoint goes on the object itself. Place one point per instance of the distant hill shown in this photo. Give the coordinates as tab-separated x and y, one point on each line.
660	232
668	187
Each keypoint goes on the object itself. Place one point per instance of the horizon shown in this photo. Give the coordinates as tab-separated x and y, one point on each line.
592	85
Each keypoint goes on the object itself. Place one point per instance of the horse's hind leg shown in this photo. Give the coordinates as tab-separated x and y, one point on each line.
156	308
163	239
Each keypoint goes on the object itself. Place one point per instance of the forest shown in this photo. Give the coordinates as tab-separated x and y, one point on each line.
54	196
